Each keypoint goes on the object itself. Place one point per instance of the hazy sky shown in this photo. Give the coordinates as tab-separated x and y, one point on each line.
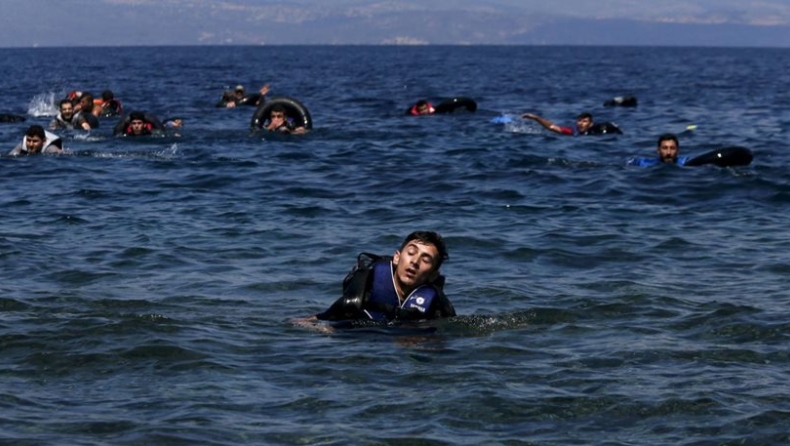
193	22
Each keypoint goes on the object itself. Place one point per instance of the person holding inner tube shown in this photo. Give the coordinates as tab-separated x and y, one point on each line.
138	124
37	140
280	122
422	107
404	287
584	125
668	149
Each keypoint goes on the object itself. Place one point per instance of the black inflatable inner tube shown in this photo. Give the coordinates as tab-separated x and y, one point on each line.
295	110
621	101
7	117
726	157
126	120
454	105
604	128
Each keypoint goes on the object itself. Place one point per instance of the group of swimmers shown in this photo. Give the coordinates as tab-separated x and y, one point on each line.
404	287
79	110
667	147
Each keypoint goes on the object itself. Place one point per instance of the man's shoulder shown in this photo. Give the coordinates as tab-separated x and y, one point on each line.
18	150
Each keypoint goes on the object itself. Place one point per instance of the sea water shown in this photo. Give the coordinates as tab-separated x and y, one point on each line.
148	284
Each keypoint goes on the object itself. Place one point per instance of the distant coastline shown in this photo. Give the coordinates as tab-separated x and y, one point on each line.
401	23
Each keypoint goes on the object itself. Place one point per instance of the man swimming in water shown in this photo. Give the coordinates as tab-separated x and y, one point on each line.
668	149
138	123
67	119
88	111
584	125
422	107
37	140
280	122
405	287
239	97
109	105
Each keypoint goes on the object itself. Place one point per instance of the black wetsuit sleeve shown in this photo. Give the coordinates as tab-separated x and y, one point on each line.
351	304
443	307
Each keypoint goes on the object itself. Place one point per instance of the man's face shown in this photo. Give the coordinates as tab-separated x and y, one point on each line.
423	109
66	110
583	124
137	126
34	144
86	104
277	117
414	265
668	151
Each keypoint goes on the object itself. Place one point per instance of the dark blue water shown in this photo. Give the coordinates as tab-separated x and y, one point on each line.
147	286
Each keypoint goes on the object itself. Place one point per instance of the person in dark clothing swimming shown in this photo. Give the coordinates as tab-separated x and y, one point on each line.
405	287
584	125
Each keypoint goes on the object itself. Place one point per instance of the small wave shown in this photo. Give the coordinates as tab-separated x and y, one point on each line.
42	105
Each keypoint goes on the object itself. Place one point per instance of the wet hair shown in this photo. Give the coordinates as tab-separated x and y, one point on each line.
277	108
584	115
668	137
35	130
421	103
87	96
137	116
428	238
65	101
107	95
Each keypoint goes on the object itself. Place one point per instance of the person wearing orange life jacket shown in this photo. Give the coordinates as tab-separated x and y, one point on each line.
109	105
422	107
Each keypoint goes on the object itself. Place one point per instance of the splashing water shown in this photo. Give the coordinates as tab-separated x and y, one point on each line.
42	105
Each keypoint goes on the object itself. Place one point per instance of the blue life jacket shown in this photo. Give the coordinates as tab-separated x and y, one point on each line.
369	294
649	162
383	302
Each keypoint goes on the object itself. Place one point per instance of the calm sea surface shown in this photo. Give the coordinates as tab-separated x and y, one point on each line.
146	286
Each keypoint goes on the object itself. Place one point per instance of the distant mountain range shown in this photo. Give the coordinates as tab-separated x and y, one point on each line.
405	22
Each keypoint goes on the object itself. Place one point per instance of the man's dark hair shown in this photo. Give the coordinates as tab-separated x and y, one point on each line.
277	108
36	130
428	238
107	96
65	101
585	115
137	116
668	137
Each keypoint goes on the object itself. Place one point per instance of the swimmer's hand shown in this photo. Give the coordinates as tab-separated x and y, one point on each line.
312	323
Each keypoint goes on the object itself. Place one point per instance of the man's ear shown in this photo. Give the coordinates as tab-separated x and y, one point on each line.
396	258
